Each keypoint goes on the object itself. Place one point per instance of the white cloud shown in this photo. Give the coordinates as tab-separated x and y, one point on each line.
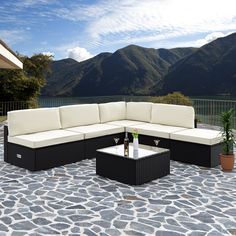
79	54
209	38
145	21
31	3
13	36
48	53
110	24
195	43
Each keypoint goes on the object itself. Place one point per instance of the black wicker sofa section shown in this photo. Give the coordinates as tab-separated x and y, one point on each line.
55	155
200	154
45	157
34	140
42	158
197	146
38	139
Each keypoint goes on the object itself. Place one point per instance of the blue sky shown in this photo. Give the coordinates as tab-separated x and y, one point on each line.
81	29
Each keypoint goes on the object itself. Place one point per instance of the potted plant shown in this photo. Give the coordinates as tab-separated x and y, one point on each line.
227	155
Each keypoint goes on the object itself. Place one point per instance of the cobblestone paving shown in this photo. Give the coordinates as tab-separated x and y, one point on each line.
1	132
73	200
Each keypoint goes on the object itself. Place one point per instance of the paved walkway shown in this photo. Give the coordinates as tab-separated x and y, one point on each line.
1	133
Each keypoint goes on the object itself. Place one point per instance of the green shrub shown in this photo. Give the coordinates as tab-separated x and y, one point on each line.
173	98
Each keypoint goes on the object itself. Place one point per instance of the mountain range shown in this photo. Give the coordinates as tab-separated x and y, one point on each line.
135	70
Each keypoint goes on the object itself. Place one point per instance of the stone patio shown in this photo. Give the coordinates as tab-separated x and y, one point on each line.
73	200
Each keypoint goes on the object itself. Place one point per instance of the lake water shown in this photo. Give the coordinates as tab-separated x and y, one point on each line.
60	101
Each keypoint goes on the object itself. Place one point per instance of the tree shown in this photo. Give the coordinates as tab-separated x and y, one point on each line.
16	86
38	66
25	85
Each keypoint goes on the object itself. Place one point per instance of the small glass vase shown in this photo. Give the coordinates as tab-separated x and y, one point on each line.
135	147
135	144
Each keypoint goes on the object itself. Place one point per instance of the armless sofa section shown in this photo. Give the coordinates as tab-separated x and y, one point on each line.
36	140
197	146
43	138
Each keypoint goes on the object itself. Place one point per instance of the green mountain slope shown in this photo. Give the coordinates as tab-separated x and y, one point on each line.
132	70
211	70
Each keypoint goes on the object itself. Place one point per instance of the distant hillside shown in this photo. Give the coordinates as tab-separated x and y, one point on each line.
132	70
211	70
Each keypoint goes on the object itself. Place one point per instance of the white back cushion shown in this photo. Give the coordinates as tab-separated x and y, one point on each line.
33	120
78	115
139	111
112	111
174	115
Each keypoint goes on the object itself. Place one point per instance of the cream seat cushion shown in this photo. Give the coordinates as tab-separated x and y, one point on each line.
112	111
200	136
156	130
97	130
79	115
46	138
33	120
125	123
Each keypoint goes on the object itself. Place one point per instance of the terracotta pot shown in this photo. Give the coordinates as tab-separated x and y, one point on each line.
227	162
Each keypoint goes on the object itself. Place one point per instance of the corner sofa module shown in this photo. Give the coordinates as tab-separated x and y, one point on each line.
125	123
197	146
164	119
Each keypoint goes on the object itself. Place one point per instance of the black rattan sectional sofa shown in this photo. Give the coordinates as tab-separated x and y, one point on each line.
43	138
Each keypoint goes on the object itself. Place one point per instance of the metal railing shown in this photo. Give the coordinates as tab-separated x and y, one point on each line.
12	105
54	102
207	110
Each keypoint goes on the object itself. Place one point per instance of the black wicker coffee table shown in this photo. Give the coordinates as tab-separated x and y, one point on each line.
150	163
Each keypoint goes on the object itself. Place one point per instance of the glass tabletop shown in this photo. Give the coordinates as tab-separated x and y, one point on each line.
143	151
